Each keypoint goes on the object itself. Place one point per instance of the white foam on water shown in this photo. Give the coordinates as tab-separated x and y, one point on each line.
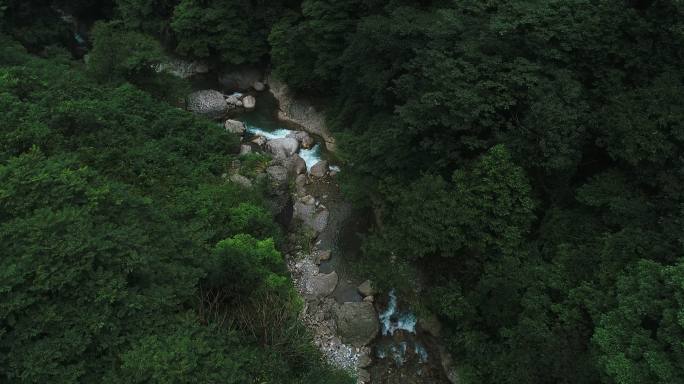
269	135
421	352
311	156
393	321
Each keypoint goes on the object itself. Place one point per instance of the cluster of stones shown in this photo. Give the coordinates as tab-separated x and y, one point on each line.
216	105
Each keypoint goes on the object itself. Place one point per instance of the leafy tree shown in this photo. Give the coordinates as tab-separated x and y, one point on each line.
639	340
217	28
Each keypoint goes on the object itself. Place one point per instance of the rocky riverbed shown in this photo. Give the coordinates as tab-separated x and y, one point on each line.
370	337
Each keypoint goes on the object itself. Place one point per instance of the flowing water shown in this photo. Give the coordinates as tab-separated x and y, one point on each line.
401	354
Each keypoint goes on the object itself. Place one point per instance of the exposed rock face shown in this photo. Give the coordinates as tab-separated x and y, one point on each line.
241	180
240	79
234	126
181	68
366	289
300	112
320	169
245	149
357	323
282	148
249	102
207	102
322	284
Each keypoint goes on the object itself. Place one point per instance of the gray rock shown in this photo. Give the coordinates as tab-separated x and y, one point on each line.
368	299
240	79
207	102
258	86
303	211
305	140
324	255
241	180
249	102
278	176
298	165
366	289
320	221
357	323
300	183
312	217
322	284
245	149
282	148
365	360
319	169
259	140
235	126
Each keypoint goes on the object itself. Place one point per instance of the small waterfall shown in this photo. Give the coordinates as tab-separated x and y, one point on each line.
269	135
392	320
311	156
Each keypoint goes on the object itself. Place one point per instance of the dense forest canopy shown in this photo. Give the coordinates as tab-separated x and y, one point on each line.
525	159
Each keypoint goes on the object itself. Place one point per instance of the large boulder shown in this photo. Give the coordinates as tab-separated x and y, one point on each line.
207	102
235	126
298	165
357	323
312	217
240	79
320	220
282	148
245	149
366	289
278	176
305	140
322	285
300	184
234	101
249	102
258	86
320	169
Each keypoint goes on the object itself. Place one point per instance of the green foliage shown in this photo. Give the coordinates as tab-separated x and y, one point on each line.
562	121
120	55
111	208
217	29
640	339
243	264
253	163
